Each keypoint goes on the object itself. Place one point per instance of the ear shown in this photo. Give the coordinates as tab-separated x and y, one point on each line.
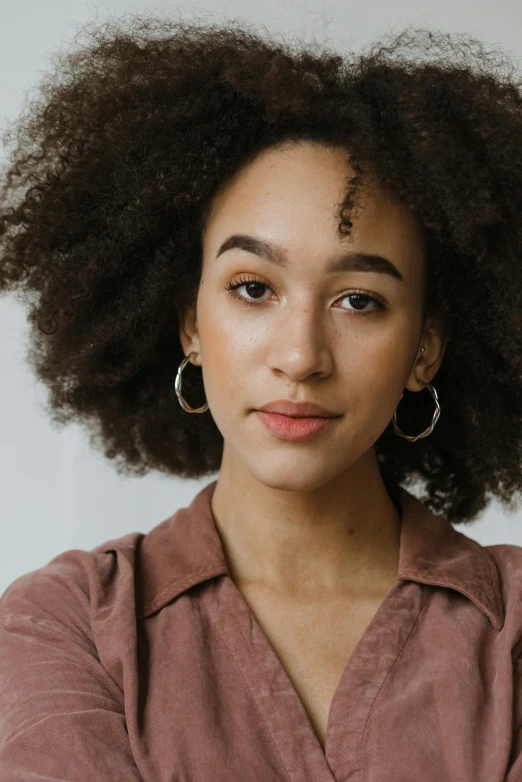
427	364
189	336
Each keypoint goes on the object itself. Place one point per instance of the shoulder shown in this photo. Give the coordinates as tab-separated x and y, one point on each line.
506	553
78	572
506	558
72	592
65	635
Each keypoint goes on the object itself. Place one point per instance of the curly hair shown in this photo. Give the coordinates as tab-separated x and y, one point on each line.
111	179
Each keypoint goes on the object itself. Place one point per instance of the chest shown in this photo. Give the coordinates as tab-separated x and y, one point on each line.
211	694
314	642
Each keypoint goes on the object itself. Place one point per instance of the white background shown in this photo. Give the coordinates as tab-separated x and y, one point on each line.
56	493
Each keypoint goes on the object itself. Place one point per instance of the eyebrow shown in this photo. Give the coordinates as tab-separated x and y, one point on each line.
350	261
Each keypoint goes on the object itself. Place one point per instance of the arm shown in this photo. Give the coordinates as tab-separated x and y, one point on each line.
62	716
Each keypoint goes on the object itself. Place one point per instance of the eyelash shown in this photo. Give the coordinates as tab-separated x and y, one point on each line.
232	286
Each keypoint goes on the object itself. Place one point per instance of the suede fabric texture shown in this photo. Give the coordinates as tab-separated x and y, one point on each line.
140	660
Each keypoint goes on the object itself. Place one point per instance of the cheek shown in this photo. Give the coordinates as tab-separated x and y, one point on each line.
223	358
375	374
374	356
229	345
231	341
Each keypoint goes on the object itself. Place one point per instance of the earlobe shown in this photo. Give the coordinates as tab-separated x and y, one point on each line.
190	346
188	333
413	380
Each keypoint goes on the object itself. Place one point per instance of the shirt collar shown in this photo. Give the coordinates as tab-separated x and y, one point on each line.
185	550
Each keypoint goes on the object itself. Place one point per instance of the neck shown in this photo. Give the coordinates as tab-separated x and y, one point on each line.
342	537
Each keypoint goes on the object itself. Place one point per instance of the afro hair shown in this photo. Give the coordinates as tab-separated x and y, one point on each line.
111	177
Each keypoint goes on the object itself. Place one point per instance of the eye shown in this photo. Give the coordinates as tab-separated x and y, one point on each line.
360	297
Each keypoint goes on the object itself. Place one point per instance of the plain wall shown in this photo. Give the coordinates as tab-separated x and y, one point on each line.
56	492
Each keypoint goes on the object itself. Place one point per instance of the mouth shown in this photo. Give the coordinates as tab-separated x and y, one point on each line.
295	427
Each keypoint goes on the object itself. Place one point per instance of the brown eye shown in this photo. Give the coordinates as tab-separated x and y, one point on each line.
364	298
253	286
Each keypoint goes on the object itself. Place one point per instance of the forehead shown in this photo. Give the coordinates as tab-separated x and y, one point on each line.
291	196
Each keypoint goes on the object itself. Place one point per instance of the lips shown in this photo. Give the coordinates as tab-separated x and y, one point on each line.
294	428
293	409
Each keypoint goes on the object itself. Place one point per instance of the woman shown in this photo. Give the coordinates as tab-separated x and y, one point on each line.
325	238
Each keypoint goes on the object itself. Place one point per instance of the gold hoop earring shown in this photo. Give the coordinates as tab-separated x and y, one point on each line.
177	386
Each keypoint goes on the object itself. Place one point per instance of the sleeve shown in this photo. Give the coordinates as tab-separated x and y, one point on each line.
62	716
514	771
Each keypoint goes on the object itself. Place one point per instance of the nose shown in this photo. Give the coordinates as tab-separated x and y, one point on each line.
301	344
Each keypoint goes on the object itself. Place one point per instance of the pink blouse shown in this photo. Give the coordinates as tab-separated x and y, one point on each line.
141	660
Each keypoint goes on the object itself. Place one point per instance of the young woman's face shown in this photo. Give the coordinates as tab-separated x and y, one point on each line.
347	340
